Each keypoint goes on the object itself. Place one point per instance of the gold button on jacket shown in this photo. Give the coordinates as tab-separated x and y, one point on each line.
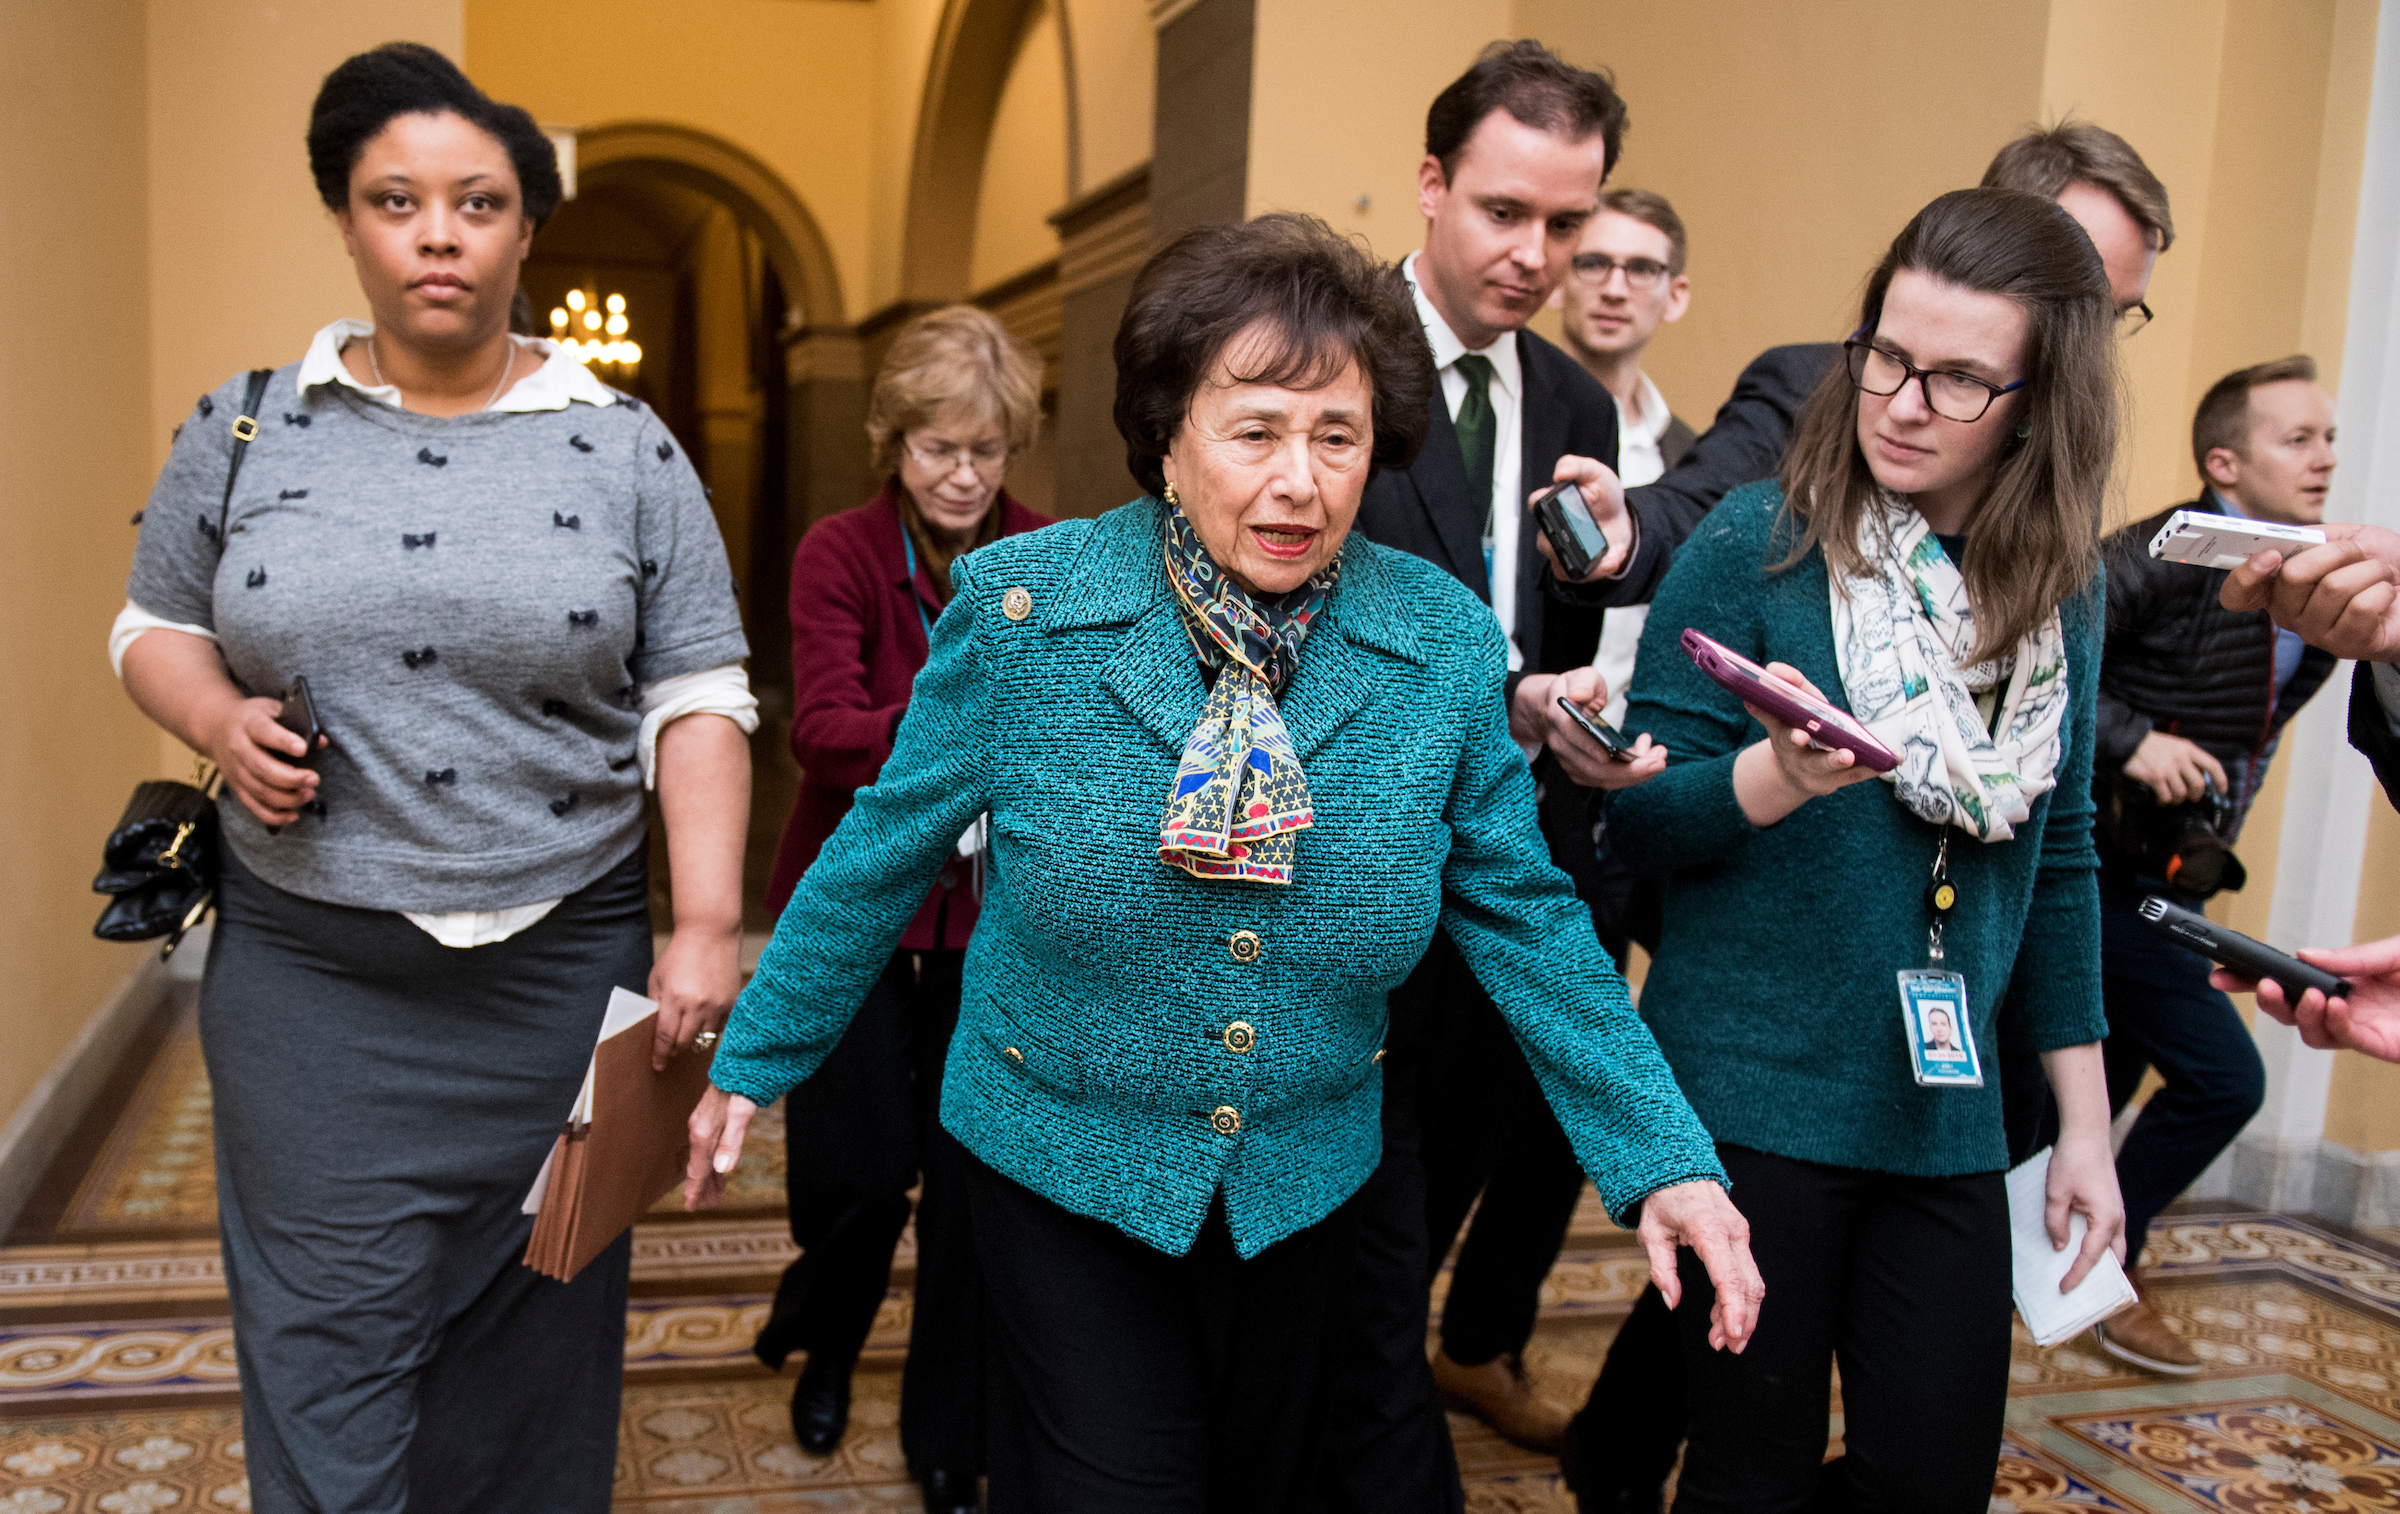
1240	1036
1245	946
1016	604
1225	1120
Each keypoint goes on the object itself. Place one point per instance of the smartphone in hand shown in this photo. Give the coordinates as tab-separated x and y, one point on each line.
1574	535
1828	727
299	716
1610	738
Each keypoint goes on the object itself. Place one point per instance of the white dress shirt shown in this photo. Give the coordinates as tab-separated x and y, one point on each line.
1639	462
558	383
1508	446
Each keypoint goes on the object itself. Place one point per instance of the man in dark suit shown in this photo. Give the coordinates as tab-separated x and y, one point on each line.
1516	151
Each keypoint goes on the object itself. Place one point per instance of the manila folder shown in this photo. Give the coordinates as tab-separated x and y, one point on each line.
622	1149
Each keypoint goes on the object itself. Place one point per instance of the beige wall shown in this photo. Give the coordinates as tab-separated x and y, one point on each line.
1112	48
73	300
793	85
1025	164
1337	107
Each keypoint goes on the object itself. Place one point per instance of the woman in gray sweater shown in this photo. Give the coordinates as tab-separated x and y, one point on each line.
502	582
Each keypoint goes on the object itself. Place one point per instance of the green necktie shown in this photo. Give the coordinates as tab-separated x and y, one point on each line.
1476	425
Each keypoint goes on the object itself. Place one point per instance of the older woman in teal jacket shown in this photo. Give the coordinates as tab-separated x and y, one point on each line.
1238	767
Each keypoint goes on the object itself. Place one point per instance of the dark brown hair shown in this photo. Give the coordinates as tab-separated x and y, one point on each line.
1652	210
1322	298
2045	162
2036	535
1537	87
2223	419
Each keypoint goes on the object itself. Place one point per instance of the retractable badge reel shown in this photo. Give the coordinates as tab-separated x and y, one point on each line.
1933	1000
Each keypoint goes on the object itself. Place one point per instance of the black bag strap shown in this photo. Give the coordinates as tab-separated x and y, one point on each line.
245	428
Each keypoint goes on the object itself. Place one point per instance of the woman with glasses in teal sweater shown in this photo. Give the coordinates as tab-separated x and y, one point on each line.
1837	943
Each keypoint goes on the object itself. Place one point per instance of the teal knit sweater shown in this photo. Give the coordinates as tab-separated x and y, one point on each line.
1134	1041
1773	994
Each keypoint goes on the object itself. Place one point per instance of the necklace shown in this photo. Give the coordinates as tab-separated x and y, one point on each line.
506	368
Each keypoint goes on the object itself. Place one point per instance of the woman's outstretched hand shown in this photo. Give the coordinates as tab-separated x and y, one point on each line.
717	1125
1700	1216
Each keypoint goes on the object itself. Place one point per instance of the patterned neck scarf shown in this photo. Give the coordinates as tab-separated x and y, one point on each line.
1977	744
1239	793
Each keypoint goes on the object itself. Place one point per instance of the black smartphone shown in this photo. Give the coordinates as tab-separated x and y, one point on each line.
1574	535
1601	731
299	716
2252	959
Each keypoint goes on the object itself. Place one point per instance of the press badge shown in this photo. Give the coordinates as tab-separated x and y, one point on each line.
1941	1040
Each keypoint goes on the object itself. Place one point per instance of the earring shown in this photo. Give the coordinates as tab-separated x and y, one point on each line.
2025	431
1169	496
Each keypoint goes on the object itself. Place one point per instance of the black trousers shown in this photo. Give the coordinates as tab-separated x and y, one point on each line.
2163	1014
857	1136
1124	1378
1905	1281
1387	1443
1488	1127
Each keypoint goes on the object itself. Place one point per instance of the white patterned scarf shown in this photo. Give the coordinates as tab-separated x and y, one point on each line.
1899	636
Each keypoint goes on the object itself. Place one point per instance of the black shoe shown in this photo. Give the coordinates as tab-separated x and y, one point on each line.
821	1405
950	1493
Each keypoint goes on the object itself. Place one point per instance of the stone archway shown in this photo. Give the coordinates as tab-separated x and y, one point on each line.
971	57
725	173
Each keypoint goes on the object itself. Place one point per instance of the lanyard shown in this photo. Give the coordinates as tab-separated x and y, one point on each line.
910	547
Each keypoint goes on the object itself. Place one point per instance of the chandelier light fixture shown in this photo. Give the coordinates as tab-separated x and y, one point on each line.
594	332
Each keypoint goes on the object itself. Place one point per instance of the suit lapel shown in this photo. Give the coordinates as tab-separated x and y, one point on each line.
1154	675
1439	475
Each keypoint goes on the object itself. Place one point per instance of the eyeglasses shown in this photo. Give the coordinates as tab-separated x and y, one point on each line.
983	457
2134	318
1593	268
1952	396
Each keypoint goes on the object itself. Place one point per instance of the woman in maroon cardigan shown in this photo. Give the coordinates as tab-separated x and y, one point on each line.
956	399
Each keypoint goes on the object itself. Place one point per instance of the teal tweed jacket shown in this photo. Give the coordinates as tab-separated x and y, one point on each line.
1774	991
1133	1040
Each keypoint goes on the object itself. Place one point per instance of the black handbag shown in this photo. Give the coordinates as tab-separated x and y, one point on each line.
159	865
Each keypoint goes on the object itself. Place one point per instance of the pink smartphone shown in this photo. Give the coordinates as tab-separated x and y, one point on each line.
1748	682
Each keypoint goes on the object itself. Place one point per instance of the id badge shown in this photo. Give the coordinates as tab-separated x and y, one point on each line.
1941	1039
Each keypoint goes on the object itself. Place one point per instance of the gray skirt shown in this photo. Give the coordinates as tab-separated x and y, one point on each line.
382	1105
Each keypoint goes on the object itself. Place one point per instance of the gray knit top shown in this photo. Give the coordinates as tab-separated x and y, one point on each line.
475	600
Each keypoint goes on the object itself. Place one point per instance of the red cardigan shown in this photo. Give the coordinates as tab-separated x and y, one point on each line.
857	643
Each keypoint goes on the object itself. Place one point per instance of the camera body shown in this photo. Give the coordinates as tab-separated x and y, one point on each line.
2186	844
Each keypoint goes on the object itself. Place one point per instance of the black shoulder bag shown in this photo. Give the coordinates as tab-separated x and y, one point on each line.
159	866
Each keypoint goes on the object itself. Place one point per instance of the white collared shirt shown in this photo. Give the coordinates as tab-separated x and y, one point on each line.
1508	445
1639	462
558	383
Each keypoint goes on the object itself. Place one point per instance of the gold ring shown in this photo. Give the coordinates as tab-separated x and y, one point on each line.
705	1039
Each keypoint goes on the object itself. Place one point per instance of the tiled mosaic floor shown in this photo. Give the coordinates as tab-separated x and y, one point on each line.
116	1360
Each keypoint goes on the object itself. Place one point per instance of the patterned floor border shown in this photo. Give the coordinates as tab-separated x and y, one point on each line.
2271	1444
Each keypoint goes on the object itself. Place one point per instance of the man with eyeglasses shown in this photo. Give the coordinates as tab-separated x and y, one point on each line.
1621	1447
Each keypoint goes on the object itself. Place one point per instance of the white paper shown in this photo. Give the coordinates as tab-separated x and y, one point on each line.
625	1009
2036	1269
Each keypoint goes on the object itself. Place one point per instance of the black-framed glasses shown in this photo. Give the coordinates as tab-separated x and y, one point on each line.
2134	317
1952	396
1594	268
